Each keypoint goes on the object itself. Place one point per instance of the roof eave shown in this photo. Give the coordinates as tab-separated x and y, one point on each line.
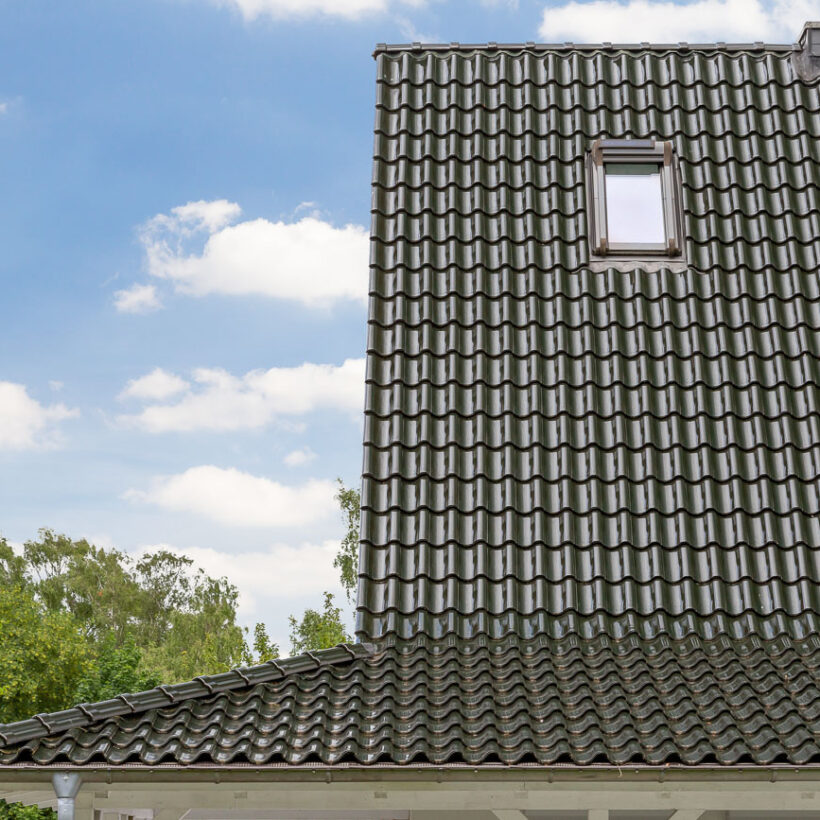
354	772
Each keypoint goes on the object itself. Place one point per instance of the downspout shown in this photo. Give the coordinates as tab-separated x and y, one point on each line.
66	785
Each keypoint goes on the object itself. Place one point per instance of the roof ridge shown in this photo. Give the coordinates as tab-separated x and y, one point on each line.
49	723
495	48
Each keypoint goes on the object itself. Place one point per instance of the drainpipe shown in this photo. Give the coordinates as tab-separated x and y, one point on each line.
66	785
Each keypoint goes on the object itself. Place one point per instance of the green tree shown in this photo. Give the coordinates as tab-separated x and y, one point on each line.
17	811
12	566
347	558
94	585
43	656
132	623
166	586
203	637
106	590
264	648
318	630
115	671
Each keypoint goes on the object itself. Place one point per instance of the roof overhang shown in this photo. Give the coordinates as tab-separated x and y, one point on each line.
234	793
172	773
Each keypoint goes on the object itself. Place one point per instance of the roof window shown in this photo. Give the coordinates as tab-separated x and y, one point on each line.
634	198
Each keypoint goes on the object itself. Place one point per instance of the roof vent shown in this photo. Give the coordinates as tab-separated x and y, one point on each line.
807	60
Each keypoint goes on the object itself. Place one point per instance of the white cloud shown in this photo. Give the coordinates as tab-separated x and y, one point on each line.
668	22
300	9
137	299
157	385
308	261
232	497
414	35
200	215
296	458
4	107
221	401
25	423
56	385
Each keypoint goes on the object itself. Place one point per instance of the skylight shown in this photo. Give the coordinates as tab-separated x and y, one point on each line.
634	199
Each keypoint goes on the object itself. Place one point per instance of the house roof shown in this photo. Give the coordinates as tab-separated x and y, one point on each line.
548	700
57	724
590	503
545	438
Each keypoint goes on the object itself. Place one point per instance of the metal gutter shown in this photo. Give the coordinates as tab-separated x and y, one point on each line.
164	773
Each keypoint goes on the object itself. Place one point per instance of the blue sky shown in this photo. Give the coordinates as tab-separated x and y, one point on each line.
184	259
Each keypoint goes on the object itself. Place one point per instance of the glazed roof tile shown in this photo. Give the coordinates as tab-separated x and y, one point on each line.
547	438
569	700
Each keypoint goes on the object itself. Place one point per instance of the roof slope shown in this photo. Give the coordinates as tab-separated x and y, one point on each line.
548	700
547	442
86	716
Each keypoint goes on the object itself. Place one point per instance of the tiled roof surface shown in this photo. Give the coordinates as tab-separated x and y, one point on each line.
56	724
543	439
590	525
550	700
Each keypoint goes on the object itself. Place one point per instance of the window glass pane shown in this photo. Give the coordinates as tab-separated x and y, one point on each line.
634	205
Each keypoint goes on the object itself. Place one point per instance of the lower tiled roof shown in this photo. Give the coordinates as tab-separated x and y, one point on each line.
571	699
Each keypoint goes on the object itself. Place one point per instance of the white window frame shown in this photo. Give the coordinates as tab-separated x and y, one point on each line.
635	152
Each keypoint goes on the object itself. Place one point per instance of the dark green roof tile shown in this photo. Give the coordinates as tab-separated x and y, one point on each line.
546	441
570	699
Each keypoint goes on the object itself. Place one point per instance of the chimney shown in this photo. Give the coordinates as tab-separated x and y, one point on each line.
806	59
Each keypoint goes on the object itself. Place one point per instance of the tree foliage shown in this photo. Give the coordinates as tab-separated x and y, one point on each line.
263	647
347	558
43	656
318	629
117	669
81	623
17	811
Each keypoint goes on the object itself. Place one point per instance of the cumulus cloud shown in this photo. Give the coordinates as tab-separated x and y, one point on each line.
157	385
300	9
137	299
201	249
220	401
668	22
239	499
26	424
195	216
297	458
